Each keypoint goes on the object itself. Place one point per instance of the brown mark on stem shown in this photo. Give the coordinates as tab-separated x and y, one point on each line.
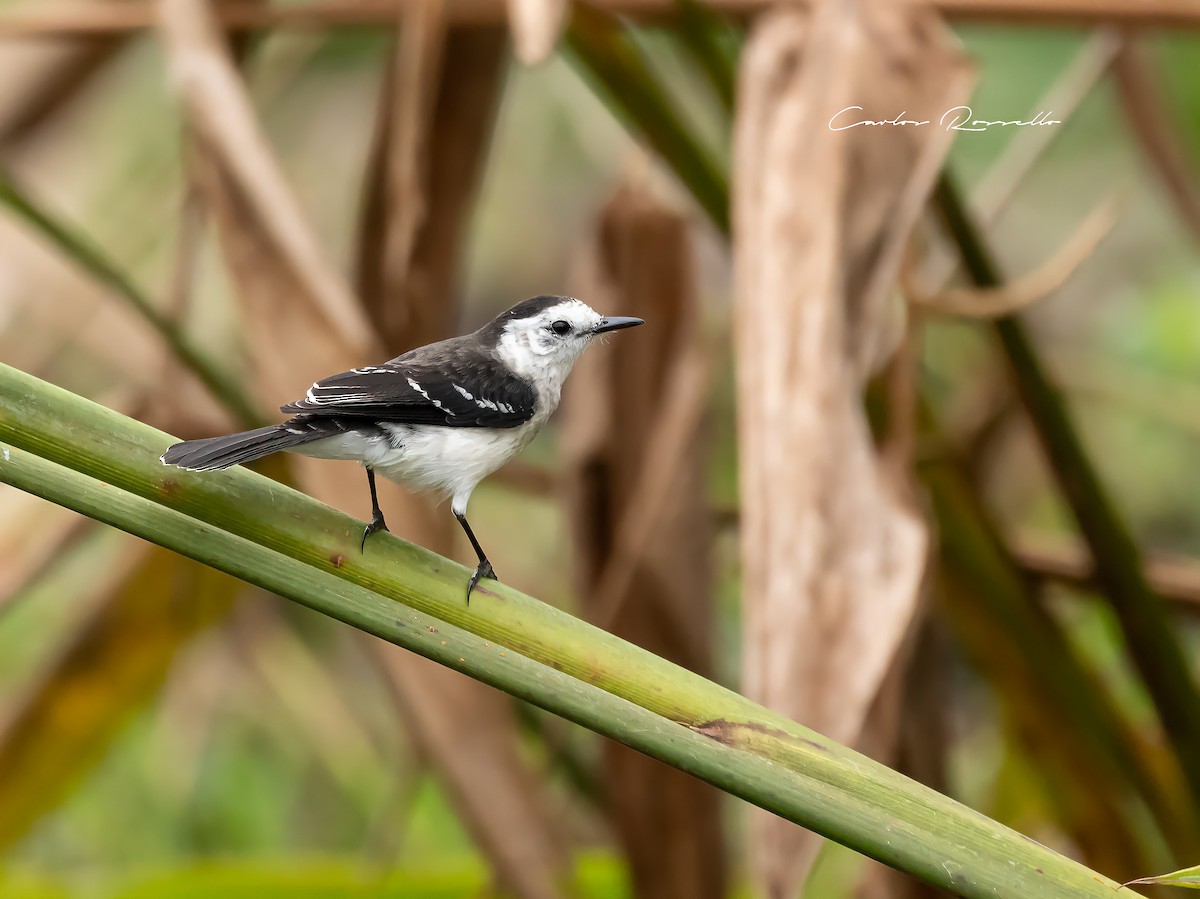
732	733
170	489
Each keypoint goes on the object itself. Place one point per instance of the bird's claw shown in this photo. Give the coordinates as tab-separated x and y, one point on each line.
376	524
483	570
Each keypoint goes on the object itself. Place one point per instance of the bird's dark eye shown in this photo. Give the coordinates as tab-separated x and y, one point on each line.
561	328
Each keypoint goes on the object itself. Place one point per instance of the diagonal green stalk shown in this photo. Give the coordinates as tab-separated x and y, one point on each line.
93	260
618	69
1150	638
712	43
91	459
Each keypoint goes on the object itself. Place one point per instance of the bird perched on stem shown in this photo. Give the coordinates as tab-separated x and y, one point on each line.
441	417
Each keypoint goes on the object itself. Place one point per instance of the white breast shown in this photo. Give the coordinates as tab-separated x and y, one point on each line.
450	461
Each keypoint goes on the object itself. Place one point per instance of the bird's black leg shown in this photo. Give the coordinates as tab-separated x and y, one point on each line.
484	568
377	522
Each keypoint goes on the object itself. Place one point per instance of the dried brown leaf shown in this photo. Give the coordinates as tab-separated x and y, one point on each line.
832	554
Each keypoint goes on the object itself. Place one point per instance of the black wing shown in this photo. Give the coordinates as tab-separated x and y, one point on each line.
469	393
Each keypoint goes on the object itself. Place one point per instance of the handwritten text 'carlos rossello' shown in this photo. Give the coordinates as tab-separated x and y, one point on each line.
959	118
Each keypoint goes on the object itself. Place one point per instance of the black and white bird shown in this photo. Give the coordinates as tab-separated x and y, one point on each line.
438	418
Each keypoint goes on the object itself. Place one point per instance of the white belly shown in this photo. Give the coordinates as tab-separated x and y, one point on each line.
450	461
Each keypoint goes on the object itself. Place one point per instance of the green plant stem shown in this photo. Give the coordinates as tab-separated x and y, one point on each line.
1005	626
712	43
618	69
1150	638
70	451
93	260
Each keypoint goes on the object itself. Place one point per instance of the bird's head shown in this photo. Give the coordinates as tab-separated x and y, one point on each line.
542	337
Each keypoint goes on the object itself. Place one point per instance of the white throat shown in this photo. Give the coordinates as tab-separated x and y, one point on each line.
533	351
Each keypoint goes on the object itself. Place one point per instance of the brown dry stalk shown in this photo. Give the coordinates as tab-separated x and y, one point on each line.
670	440
462	98
47	77
1174	579
74	18
832	554
536	26
188	245
218	108
414	81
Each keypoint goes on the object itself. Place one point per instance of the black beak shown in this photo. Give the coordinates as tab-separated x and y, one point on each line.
616	323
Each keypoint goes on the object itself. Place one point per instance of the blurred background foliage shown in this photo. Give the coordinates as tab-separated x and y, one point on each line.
265	756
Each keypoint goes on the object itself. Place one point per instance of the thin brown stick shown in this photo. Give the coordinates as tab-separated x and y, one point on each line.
75	19
192	219
416	78
1175	579
688	389
1007	299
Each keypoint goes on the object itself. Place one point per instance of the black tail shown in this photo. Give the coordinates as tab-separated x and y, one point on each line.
221	452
